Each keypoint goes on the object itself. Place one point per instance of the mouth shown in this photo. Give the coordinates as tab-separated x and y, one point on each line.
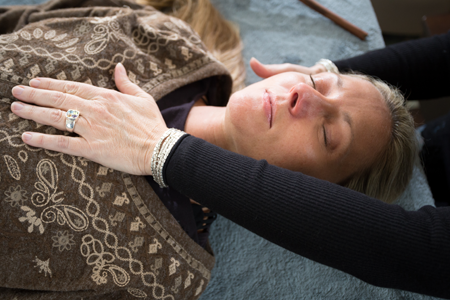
268	108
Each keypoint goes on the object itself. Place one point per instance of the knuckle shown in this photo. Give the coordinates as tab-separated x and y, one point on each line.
62	142
109	95
56	115
33	94
58	98
71	88
40	140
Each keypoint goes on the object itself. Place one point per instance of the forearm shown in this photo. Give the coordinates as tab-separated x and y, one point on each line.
318	220
420	68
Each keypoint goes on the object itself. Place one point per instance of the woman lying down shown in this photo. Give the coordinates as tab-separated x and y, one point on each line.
73	228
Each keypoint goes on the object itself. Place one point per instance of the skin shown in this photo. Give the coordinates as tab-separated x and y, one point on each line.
128	124
309	129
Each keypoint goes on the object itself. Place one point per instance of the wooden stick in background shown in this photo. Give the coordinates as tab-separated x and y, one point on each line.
336	19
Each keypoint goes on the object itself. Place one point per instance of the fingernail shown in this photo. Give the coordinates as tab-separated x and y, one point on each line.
26	136
17	105
121	67
17	90
35	82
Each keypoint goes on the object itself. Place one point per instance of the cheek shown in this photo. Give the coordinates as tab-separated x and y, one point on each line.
242	115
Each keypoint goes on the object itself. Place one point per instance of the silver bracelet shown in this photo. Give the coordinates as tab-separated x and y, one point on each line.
329	65
161	152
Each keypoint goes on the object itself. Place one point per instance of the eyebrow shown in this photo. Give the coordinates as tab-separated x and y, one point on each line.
349	120
339	81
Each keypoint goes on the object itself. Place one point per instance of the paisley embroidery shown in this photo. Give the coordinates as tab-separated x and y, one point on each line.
106	188
7	65
92	249
199	289
38	33
34	71
8	38
13	167
187	282
12	117
137	293
47	174
176	285
59	37
61	75
25	35
153	248
137	224
50	34
117	218
103	170
111	256
68	43
138	242
173	266
157	265
120	200
24	59
66	214
23	156
22	125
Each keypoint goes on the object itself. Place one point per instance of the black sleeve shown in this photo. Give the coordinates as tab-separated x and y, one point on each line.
420	68
381	244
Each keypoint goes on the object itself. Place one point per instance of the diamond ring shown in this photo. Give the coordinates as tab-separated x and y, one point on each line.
71	117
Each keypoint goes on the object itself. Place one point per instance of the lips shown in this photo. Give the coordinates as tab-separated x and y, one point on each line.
267	104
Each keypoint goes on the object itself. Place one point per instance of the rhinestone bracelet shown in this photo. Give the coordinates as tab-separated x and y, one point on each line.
161	152
329	65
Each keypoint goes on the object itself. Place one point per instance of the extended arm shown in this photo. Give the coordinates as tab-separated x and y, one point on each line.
379	243
420	68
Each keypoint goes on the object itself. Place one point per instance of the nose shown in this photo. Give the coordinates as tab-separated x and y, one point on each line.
305	101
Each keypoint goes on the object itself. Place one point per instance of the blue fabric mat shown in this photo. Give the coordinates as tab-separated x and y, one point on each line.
248	267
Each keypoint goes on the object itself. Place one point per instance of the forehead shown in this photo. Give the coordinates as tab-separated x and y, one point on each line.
371	121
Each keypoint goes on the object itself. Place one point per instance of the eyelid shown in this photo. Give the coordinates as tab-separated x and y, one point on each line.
325	136
313	82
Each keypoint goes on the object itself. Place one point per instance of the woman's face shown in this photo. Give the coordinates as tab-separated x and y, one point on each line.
328	126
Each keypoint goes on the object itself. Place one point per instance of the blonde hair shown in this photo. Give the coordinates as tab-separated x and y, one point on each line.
388	177
220	36
391	172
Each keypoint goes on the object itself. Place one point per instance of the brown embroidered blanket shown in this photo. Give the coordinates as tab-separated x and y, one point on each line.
71	228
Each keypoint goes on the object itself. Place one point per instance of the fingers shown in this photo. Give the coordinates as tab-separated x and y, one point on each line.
82	90
47	116
125	85
60	143
265	71
48	98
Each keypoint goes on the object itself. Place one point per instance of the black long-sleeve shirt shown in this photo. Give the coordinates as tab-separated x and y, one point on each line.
379	243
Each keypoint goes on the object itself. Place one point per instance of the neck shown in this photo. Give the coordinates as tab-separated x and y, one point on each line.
207	122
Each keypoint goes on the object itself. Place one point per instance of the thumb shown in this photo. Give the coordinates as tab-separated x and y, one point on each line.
265	71
260	69
124	84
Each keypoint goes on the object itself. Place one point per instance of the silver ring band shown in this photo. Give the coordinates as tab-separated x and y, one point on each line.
329	65
71	118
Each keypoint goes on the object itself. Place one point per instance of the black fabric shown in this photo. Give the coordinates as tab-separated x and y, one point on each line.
420	68
175	108
378	243
436	158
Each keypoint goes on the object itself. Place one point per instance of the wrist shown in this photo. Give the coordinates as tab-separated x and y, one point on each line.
161	153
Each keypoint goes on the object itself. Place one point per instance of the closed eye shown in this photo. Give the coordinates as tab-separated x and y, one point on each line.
313	82
325	136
